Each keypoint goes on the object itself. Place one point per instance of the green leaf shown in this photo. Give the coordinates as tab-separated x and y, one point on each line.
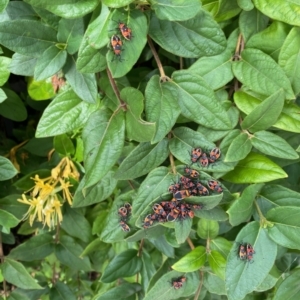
289	287
161	106
123	291
162	245
49	63
76	225
217	263
124	264
199	36
265	114
288	58
22	65
2	96
13	107
239	148
241	209
68	252
183	229
227	10
3	5
95	193
194	96
241	276
143	159
27	37
286	11
71	32
15	273
63	145
164	290
116	3
8	220
137	22
4	72
84	85
40	90
272	144
207	229
286	226
96	33
148	270
259	72
103	138
136	128
66	8
61	291
65	113
255	168
36	248
215	70
245	4
214	284
7	169
192	261
216	213
175	10
11	205
222	245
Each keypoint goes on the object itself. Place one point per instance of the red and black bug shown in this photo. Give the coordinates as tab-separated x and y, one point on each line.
181	195
116	44
242	253
125	31
192	173
214	155
250	252
159	210
122	212
202	190
186	182
204	160
195	155
173	188
197	206
124	226
215	186
128	207
148	221
173	215
178	282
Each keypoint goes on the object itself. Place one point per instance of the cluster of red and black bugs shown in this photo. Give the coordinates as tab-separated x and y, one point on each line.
178	282
246	252
205	158
124	213
117	43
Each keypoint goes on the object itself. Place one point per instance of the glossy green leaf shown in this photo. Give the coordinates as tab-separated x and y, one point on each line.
214	284
217	263
4	72
227	10
27	37
8	220
148	270
265	114
242	208
137	22
103	138
84	85
288	58
259	72
3	5
162	245
36	248
123	291
116	3
270	280
76	225
95	193
286	226
40	90
242	277
63	145
163	289
124	264
272	144
66	8
7	169
143	159
183	229
289	287
207	229
13	107
68	253
175	10
199	36
216	70
136	128
65	113
271	39
10	204
194	96
192	261
96	33
286	11
222	245
61	291
20	10
252	22
161	106
71	33
245	4
239	148
255	168
49	63
16	274
216	213
2	96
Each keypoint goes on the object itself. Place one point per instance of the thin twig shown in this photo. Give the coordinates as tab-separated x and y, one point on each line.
190	243
180	63
171	158
199	287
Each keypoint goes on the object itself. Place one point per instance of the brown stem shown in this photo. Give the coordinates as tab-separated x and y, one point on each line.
190	243
57	234
131	184
171	158
199	286
2	261
115	89
180	63
139	254
163	76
